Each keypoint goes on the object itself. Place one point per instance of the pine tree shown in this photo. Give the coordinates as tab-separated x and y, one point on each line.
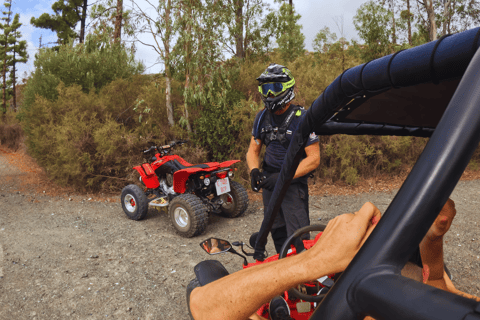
5	40
19	54
67	14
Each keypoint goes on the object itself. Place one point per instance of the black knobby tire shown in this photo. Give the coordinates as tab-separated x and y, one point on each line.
134	202
236	201
192	285
188	215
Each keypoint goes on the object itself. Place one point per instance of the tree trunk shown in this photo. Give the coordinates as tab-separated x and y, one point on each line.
4	73
168	76
117	35
431	19
394	35
290	2
187	62
409	24
14	80
82	21
240	50
446	16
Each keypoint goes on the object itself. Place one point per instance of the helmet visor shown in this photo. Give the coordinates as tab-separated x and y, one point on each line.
274	88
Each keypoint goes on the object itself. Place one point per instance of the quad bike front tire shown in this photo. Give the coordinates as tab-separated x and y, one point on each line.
235	201
134	202
188	215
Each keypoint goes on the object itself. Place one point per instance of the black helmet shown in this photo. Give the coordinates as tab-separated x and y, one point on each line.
276	85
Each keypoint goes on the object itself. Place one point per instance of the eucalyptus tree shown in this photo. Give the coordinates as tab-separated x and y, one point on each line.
244	28
158	22
284	27
110	16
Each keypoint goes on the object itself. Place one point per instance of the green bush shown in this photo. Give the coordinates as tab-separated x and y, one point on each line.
350	158
91	65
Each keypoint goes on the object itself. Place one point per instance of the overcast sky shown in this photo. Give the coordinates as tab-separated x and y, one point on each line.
316	14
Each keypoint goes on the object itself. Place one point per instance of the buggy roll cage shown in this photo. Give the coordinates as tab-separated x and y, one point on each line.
432	91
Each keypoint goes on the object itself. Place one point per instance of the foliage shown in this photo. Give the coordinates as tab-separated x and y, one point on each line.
63	22
372	23
91	65
104	13
283	24
323	40
351	157
11	133
245	31
88	140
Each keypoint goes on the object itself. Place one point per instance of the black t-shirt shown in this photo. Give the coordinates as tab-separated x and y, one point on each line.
275	151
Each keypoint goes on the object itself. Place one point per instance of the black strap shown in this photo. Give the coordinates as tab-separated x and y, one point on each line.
280	134
433	74
388	68
475	42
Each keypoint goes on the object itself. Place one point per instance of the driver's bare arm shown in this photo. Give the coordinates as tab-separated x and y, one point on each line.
253	154
311	162
240	296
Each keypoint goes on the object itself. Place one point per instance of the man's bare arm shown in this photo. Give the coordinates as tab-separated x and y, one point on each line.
239	295
253	154
311	162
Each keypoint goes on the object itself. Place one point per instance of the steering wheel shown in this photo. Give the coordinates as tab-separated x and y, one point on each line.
283	254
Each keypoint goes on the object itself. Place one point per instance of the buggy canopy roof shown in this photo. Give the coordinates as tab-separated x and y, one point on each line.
404	93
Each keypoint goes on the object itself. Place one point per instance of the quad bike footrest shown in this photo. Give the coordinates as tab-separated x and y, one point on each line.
159	202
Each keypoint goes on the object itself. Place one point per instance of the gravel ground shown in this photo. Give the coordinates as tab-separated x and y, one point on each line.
80	257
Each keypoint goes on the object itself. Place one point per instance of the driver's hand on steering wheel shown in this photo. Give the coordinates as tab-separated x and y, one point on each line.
342	238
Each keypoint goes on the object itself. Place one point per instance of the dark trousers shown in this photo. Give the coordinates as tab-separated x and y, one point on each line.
293	213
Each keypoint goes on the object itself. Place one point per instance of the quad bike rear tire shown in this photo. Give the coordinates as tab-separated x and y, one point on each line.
188	215
134	202
235	201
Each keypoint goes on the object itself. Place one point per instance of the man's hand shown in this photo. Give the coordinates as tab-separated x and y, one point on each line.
344	236
255	178
269	182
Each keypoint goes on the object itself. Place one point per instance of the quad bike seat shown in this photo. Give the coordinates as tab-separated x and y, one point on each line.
186	165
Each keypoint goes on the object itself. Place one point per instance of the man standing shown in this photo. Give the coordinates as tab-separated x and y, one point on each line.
274	127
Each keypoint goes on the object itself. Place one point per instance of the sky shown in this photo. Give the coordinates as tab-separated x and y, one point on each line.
316	14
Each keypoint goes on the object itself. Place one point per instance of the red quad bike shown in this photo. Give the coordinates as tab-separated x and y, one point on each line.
191	192
301	300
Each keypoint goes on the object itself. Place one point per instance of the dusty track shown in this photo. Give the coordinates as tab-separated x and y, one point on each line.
83	259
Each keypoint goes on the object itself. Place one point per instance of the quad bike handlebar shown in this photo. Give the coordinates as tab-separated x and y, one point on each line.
166	147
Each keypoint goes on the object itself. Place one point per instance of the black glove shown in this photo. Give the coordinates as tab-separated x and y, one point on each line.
255	178
269	182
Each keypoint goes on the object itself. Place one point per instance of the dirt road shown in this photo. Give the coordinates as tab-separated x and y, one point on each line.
72	256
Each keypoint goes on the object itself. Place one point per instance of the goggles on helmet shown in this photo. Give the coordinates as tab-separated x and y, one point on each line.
274	88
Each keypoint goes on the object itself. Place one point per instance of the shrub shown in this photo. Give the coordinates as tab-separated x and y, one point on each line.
349	158
11	133
91	65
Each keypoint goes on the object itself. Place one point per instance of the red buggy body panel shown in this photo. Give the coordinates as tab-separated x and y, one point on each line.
292	304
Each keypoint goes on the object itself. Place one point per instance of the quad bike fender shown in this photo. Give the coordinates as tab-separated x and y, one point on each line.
209	270
180	177
228	163
148	175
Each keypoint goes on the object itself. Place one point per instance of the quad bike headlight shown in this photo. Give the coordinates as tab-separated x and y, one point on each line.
206	181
